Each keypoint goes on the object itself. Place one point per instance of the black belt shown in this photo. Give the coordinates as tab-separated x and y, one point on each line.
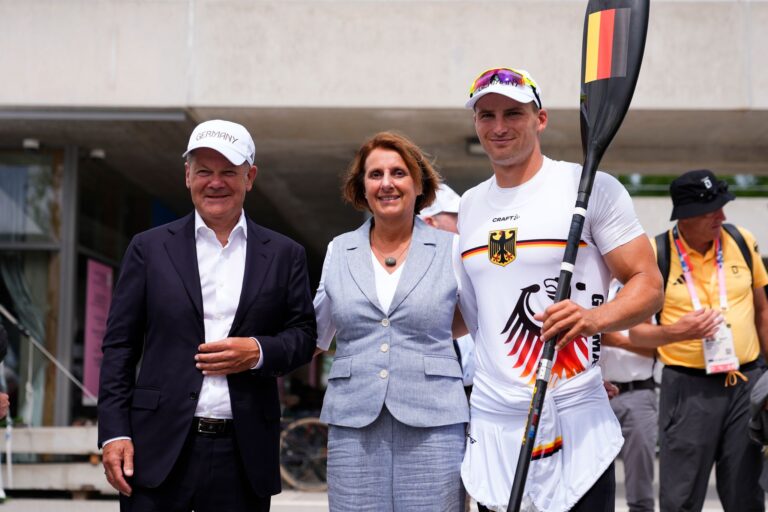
211	427
699	372
625	387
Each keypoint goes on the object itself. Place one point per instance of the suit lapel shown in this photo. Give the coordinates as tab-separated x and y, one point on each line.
183	253
258	261
358	255
420	256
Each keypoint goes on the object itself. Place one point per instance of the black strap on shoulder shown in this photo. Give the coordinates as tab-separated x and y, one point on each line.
662	260
663	253
743	247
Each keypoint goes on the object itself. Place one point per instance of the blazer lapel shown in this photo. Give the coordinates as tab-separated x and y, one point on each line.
183	253
420	256
258	260
358	255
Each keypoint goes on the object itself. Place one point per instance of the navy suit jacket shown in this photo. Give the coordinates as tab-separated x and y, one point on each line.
149	384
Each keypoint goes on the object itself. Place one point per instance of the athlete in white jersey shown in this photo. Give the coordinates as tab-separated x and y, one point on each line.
513	229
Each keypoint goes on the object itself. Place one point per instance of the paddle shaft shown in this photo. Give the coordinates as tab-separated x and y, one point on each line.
548	352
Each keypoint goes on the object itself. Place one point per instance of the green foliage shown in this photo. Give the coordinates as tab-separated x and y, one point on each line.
741	185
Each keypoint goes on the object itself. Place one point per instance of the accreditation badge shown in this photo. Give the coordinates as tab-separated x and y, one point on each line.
719	352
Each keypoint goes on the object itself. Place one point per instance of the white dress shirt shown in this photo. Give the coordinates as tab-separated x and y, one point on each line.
621	365
221	269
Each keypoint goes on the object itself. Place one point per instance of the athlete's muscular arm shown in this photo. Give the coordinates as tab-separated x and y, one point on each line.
634	265
761	318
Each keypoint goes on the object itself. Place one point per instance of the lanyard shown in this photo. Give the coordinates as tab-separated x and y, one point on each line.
685	263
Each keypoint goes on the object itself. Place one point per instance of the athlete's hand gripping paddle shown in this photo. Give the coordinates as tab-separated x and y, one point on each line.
612	51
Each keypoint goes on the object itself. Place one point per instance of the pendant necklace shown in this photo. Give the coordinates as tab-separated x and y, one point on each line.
391	261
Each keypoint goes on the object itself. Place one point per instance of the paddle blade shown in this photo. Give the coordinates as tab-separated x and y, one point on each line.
612	51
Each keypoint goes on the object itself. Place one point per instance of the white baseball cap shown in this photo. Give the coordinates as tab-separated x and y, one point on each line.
516	84
230	139
446	201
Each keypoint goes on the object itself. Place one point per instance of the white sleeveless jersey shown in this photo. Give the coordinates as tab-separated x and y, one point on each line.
511	244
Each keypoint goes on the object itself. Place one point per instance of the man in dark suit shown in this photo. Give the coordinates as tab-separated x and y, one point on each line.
207	312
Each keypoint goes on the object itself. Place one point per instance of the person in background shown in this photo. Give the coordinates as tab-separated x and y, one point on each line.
758	422
710	334
444	214
395	404
629	375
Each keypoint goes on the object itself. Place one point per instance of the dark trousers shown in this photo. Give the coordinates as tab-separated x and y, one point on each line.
601	497
207	477
701	423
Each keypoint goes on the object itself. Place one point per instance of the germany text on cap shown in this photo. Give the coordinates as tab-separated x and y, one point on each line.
230	139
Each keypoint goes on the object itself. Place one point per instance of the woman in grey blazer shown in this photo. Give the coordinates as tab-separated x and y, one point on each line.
395	401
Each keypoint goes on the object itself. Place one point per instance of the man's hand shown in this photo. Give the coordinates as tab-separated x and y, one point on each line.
568	318
696	325
611	388
118	464
230	355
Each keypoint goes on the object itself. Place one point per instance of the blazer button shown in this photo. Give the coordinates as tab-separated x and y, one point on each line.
384	347
385	322
383	374
193	396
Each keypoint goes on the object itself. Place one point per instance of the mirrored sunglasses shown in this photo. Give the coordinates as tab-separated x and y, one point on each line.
504	76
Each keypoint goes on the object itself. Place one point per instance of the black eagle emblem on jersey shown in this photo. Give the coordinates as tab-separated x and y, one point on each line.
502	246
524	334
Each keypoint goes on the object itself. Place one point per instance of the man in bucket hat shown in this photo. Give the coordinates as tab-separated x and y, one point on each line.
710	333
215	307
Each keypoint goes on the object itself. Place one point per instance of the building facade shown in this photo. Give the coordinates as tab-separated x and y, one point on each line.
99	98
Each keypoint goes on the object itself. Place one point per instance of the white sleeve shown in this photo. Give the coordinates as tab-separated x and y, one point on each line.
456	271
326	329
467	299
260	362
105	443
612	218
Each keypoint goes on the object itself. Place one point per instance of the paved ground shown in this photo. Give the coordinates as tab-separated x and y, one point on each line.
288	501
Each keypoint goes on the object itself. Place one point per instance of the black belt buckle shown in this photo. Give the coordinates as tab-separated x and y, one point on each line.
211	426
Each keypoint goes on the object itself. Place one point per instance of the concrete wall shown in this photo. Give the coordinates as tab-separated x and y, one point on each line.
330	53
748	212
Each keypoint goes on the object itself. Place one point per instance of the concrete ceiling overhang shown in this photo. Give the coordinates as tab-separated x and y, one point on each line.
302	153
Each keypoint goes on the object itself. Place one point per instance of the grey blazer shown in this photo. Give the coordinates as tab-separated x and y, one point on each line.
402	358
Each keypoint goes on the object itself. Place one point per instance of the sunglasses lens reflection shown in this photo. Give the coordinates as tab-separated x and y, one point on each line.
492	76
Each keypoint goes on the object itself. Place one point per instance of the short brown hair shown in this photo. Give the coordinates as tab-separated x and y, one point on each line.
419	166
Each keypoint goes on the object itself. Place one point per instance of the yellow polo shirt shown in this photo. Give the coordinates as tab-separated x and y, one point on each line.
740	314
